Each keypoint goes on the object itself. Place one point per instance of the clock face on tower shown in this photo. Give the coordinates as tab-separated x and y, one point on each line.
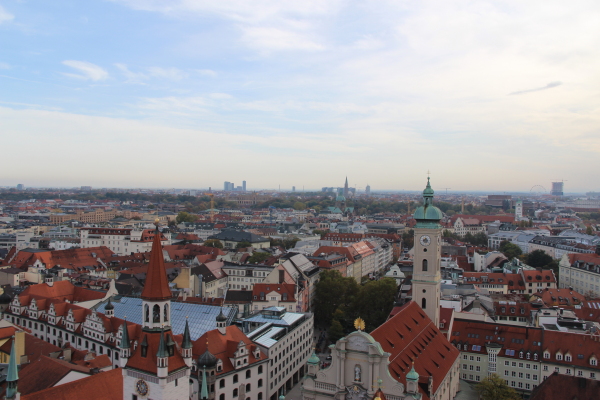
425	240
141	387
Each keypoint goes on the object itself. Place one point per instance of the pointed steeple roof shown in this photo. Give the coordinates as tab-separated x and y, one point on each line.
204	389
157	284
187	341
13	373
162	348
125	338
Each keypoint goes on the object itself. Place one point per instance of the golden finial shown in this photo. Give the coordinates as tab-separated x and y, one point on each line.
359	324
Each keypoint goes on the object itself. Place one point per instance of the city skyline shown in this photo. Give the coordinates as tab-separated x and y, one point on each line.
488	96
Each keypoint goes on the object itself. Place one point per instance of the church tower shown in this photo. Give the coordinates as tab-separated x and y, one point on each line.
157	368
426	281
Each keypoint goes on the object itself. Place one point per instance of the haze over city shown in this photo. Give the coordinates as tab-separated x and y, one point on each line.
489	96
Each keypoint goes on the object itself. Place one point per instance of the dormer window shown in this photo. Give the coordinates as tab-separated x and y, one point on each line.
567	357
593	361
559	357
547	355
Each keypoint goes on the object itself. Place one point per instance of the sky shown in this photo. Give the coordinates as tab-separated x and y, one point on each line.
486	95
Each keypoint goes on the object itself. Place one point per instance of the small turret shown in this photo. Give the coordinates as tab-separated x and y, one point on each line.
124	346
12	377
204	387
109	310
186	345
162	357
412	380
313	364
222	323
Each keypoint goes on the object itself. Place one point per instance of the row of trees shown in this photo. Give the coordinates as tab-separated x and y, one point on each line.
478	239
340	300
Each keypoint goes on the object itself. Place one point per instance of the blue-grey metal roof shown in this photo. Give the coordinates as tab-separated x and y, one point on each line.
201	318
289	318
267	339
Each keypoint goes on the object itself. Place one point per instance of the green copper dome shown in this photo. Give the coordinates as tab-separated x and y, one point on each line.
314	359
412	375
428	215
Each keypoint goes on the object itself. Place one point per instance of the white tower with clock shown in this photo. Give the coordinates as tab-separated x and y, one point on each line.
156	366
426	291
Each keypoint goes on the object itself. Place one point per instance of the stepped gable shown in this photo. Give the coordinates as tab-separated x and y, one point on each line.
223	346
103	386
156	286
411	336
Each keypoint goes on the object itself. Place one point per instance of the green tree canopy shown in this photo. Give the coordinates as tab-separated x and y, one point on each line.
408	238
510	250
375	300
494	387
258	256
243	244
335	331
538	259
185	217
333	292
213	243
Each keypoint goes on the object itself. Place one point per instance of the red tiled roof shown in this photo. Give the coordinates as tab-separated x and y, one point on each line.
560	387
411	336
223	346
558	297
45	373
102	386
149	363
280	288
62	290
156	286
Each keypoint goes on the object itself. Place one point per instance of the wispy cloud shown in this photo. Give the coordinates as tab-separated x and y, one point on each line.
5	16
87	70
548	86
173	74
4	65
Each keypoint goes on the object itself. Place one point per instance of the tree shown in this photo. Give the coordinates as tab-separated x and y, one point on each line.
185	217
243	244
538	259
213	243
375	300
299	206
589	230
333	292
510	250
408	238
258	257
336	331
494	387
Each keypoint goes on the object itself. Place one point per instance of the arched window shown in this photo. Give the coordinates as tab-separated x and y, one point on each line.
260	396
260	383
248	374
222	396
423	303
156	313
248	387
424	265
166	312
147	313
235	393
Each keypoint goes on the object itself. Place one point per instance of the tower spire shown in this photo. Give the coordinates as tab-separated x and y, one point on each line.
156	286
12	377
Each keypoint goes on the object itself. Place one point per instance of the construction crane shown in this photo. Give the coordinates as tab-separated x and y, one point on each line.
446	190
212	207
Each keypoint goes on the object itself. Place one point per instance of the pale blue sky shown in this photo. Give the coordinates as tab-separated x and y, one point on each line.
488	95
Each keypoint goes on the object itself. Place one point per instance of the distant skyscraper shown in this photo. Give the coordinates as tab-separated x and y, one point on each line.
557	188
226	186
519	210
244	186
293	188
368	190
20	186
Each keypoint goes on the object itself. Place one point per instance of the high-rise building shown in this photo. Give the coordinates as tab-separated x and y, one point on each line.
346	188
368	190
20	186
226	186
427	261
557	188
293	188
244	186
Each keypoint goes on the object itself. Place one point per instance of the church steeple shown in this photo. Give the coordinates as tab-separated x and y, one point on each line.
124	346
156	294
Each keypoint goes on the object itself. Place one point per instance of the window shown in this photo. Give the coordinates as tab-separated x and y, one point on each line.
567	358
568	371
579	373
260	383
506	373
222	383
235	378
260	369
248	374
559	357
593	361
248	388
423	303
535	377
235	393
592	375
545	368
424	265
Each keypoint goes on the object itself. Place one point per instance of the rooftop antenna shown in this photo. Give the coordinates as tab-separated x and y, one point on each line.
446	190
